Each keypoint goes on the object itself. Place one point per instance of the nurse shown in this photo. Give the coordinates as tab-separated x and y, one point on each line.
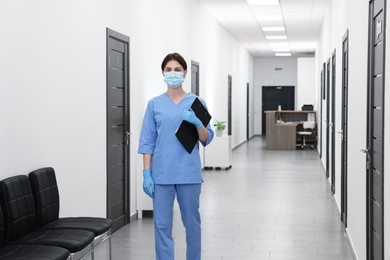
169	170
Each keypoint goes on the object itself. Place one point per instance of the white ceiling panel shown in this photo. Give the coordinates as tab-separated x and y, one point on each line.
301	18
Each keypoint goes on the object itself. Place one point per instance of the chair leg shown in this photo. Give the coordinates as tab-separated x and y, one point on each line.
109	244
93	251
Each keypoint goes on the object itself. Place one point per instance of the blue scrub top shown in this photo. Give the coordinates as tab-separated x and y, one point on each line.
171	163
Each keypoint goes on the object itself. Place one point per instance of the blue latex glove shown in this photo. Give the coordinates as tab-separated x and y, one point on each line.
190	117
148	183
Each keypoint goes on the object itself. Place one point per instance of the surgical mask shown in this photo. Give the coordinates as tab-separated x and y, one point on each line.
174	79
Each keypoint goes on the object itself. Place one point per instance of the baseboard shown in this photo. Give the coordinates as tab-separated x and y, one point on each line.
239	145
350	244
134	217
337	204
243	142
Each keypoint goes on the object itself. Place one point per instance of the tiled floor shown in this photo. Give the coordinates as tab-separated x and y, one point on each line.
269	205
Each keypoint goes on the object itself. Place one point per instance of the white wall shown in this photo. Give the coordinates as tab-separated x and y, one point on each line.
357	124
306	82
334	27
266	75
339	18
53	84
53	92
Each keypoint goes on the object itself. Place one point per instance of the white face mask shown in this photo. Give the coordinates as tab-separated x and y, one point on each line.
174	79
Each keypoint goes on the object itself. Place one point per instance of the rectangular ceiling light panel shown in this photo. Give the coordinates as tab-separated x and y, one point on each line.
278	19
262	2
282	54
280	45
276	37
273	29
281	50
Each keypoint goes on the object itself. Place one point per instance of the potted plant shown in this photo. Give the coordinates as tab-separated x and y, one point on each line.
219	127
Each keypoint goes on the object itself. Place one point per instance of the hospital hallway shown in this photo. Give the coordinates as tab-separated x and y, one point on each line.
269	205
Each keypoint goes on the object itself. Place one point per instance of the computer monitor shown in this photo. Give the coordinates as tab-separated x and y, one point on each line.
307	107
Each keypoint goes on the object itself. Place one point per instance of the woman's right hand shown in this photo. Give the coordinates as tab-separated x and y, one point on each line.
148	183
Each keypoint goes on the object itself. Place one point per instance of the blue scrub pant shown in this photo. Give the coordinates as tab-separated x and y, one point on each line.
188	199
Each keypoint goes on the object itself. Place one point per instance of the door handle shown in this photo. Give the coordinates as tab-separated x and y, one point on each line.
330	124
128	134
340	132
368	162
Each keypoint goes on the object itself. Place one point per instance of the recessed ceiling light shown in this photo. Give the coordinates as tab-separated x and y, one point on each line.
276	37
263	2
276	18
282	50
279	45
282	54
273	29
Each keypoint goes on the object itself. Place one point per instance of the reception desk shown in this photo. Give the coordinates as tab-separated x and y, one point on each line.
282	128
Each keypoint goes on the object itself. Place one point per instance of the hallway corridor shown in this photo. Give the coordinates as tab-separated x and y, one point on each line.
269	205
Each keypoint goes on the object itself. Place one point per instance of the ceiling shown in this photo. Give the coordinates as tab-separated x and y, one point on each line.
302	20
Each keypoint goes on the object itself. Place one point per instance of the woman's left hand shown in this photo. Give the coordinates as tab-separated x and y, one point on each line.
190	117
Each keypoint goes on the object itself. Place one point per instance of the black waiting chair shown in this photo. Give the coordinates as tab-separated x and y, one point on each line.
45	190
20	222
31	252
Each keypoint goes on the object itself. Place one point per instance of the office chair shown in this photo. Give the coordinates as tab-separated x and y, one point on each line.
308	128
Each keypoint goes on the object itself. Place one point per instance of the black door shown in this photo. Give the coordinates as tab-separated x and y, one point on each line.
333	124
375	125
247	111
327	97
344	132
321	106
229	105
195	78
118	129
274	96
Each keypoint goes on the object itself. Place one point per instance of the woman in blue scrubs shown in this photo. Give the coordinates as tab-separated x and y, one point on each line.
169	170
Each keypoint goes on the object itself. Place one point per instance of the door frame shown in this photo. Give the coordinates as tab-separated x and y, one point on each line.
195	64
319	147
230	97
333	124
322	95
247	111
327	98
344	125
120	37
369	139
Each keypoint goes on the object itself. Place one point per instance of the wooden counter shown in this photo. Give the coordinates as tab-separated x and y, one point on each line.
283	136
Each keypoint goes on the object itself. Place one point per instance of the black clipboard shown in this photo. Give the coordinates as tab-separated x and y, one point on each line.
187	132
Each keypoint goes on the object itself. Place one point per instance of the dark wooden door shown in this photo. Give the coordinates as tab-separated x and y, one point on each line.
327	97
344	133
118	129
333	125
375	133
247	111
321	106
195	78
229	105
274	96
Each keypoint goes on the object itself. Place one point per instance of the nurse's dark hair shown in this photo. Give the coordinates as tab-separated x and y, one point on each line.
174	56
